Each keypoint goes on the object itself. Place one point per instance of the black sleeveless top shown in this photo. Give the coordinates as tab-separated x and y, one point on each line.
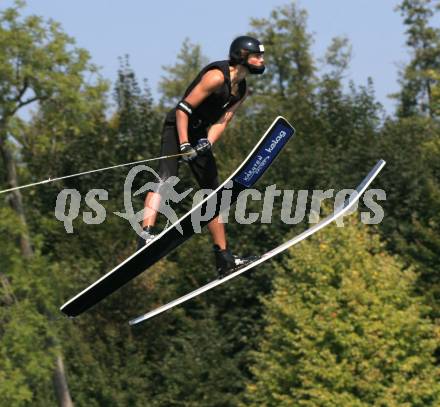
216	104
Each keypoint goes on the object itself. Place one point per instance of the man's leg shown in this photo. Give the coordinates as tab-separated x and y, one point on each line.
167	168
218	233
204	169
152	202
151	207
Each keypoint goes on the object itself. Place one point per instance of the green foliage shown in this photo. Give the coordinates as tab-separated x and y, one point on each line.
338	57
136	121
344	328
411	182
40	63
197	369
189	61
28	343
419	79
289	62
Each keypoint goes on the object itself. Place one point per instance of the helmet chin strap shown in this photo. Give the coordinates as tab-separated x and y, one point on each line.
255	70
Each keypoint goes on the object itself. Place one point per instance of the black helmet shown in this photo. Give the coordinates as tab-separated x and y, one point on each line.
240	49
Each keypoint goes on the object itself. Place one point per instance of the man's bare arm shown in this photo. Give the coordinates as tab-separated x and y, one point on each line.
216	130
210	82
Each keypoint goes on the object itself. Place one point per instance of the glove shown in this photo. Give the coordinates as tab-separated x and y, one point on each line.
188	150
203	146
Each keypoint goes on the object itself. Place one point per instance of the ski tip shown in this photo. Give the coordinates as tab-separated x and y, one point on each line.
378	167
282	118
64	310
66	315
69	309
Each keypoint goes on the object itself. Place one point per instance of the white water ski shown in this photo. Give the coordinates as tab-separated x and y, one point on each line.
347	205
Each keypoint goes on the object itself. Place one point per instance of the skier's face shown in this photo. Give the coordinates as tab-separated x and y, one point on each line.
256	59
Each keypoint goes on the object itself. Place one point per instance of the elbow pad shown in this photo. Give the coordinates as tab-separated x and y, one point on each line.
185	107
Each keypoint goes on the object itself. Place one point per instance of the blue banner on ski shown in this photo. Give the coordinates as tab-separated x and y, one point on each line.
252	168
265	154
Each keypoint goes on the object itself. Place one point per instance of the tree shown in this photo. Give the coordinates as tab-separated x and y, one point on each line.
409	144
190	61
40	65
136	120
419	77
289	61
30	353
344	328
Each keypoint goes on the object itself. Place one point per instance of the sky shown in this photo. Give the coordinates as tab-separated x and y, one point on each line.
152	32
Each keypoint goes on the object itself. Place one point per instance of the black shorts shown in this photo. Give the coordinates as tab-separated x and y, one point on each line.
203	167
